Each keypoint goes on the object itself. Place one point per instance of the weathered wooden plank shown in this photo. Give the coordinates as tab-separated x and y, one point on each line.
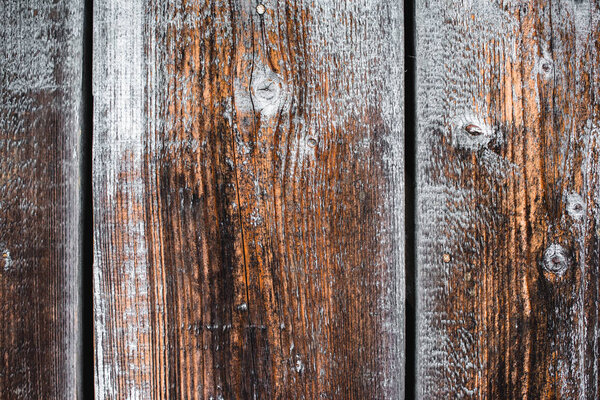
508	199
248	199
40	88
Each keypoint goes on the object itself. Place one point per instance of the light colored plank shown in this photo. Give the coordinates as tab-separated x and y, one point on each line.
508	147
40	88
248	199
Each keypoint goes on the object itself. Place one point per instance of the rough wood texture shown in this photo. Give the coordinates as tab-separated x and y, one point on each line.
40	88
248	199
508	199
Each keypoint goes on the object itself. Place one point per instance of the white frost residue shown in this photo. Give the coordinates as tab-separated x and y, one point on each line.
7	260
356	84
452	110
120	270
299	367
40	60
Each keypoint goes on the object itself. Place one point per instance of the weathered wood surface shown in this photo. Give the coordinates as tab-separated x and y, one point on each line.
248	199
40	92
508	199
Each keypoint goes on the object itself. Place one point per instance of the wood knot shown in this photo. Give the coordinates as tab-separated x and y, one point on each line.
267	92
545	67
575	206
556	259
312	142
446	258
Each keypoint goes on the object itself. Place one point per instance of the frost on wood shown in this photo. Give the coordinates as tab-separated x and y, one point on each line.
40	87
507	181
249	180
119	128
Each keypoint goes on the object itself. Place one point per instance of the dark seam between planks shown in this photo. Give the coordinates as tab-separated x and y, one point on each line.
410	112
86	356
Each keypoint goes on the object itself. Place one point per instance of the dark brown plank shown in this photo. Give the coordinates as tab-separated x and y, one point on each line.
40	88
508	199
248	200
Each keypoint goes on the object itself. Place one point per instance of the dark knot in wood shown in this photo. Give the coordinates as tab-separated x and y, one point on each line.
556	259
575	206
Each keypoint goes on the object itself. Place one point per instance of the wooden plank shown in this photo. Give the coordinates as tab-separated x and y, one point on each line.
508	199
40	88
248	175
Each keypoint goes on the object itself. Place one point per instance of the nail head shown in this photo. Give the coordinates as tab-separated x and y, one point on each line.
473	130
261	9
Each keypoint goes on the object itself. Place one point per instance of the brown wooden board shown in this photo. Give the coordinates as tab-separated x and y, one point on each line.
40	92
248	189
508	199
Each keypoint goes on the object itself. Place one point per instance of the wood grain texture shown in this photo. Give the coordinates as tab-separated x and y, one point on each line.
40	88
508	199
248	175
